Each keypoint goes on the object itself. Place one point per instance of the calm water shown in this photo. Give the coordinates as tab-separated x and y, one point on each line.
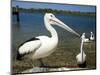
32	24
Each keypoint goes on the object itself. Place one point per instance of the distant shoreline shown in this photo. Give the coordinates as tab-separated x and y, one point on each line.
32	10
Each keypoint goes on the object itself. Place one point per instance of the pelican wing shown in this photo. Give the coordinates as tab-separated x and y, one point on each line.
29	46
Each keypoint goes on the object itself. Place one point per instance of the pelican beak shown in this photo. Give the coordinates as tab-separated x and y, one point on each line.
64	26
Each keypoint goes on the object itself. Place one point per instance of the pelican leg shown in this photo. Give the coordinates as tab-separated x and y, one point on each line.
34	68
41	63
31	63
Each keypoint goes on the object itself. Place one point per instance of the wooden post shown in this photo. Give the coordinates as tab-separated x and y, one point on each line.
17	14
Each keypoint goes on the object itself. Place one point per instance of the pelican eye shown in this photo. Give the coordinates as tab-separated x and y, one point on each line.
51	15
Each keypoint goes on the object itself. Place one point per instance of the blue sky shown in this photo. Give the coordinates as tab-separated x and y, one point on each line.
82	8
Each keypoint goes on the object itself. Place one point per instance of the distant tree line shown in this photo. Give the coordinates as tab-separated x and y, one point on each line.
31	10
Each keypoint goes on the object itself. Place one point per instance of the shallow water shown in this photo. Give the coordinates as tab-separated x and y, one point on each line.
32	24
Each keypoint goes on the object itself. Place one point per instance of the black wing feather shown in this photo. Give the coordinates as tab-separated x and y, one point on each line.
19	56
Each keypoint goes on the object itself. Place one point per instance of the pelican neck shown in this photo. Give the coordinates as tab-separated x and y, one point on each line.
81	48
51	29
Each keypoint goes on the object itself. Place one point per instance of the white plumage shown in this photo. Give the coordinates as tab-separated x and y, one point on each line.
43	46
46	48
28	47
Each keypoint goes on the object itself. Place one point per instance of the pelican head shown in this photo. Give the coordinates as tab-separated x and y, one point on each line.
52	20
83	36
91	36
92	33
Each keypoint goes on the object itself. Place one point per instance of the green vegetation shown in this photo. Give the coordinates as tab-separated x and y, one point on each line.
53	11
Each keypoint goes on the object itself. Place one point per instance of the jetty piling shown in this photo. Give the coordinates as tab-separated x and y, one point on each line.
16	12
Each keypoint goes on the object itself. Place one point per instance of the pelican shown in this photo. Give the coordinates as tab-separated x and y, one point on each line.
81	57
91	36
85	39
42	46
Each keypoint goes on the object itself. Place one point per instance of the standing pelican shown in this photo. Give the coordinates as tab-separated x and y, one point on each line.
43	46
91	36
81	57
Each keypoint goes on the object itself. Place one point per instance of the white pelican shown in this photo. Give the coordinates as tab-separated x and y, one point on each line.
81	57
91	36
85	39
43	46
